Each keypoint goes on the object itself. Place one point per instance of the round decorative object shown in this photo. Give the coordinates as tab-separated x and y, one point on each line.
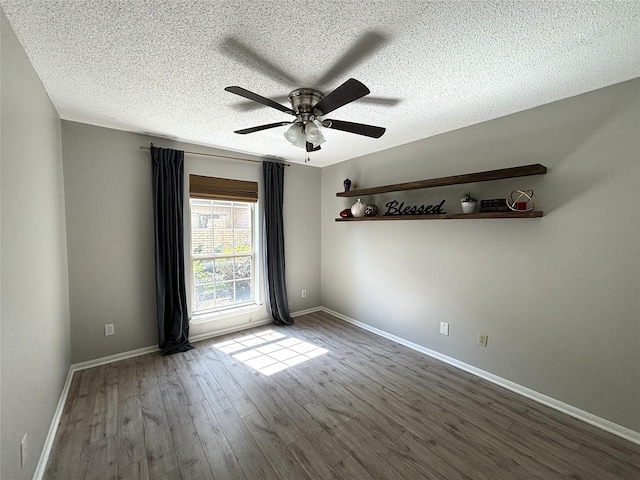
357	210
370	210
522	201
346	213
347	184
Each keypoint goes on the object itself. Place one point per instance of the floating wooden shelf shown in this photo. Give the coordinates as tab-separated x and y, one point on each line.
523	171
445	216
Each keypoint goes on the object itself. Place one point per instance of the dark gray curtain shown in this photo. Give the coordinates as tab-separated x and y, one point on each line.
276	288
171	297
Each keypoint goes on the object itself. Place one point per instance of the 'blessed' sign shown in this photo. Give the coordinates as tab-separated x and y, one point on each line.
395	208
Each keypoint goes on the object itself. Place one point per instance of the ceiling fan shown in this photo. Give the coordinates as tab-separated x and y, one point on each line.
308	105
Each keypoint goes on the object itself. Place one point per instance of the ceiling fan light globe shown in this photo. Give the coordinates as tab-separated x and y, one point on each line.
314	135
295	136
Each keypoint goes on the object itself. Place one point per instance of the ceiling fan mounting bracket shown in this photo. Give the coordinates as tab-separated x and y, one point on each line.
302	102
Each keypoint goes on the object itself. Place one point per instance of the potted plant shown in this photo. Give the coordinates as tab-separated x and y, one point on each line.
468	203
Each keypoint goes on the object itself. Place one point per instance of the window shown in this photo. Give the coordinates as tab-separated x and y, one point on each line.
223	256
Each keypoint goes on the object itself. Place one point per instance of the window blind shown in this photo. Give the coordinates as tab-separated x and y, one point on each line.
214	188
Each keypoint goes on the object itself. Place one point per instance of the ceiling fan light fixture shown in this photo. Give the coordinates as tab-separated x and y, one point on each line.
295	136
313	134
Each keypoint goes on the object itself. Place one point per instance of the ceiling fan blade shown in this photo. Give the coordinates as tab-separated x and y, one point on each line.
235	49
358	52
261	127
311	148
357	128
349	91
258	98
247	106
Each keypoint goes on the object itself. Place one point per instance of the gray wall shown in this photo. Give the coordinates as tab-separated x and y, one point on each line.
110	236
558	296
35	341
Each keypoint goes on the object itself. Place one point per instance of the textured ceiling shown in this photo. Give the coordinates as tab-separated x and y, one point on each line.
160	67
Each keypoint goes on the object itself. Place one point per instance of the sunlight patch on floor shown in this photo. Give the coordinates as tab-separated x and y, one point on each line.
269	352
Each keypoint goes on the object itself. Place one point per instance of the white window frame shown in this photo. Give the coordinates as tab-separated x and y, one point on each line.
236	308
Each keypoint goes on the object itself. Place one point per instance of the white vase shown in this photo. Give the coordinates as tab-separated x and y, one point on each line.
357	210
468	207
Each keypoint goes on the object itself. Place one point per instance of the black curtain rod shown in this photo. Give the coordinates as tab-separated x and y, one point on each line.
142	147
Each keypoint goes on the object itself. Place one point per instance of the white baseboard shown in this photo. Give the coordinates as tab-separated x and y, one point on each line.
53	428
587	417
307	311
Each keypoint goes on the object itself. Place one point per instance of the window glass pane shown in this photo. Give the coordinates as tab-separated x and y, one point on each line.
204	297
223	229
242	229
201	227
224	269
243	268
203	271
224	294
243	291
241	217
242	241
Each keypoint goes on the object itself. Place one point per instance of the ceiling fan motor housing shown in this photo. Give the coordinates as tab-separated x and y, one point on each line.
302	102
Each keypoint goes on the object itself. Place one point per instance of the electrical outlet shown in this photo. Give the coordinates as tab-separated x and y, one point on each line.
304	293
290	304
444	328
109	329
23	451
482	339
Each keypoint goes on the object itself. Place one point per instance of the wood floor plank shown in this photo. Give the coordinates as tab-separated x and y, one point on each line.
69	458
105	417
222	461
349	469
282	461
233	391
131	447
252	460
407	467
291	408
102	464
188	448
127	378
172	475
317	452
213	392
83	406
161	457
192	392
134	471
358	406
360	447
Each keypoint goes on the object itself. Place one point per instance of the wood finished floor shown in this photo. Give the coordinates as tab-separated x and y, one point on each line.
352	405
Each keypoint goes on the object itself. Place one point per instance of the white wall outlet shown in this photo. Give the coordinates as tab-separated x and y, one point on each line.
444	328
304	293
23	451
109	329
482	339
290	304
